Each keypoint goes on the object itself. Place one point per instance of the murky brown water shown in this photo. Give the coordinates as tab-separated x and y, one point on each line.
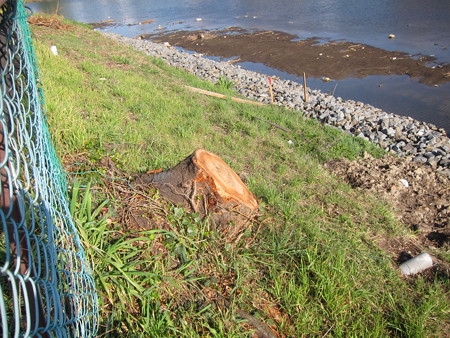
421	28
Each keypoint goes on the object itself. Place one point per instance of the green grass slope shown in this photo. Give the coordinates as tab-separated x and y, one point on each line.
308	266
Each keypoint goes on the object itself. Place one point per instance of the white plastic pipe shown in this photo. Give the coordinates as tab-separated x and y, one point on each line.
54	50
417	264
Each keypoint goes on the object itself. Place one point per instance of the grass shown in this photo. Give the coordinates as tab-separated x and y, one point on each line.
309	266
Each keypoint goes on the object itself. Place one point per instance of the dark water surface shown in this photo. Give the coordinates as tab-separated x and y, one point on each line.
421	28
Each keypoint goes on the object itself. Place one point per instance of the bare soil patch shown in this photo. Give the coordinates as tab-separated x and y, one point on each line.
419	195
334	59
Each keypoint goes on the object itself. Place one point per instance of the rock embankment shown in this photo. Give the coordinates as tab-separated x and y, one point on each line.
402	135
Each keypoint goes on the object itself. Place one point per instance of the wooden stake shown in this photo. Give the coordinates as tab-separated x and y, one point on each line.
305	91
270	89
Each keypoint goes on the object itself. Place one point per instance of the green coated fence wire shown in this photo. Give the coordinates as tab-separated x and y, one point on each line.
47	287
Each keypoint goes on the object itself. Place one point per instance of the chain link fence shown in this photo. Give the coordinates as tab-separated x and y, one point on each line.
46	283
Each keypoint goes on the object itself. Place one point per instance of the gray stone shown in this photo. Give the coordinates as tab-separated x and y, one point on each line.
445	172
445	148
401	144
444	162
389	132
420	159
323	116
408	147
421	132
433	161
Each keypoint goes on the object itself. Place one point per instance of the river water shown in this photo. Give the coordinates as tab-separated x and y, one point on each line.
421	28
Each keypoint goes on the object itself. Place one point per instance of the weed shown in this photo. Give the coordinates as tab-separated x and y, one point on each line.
121	60
224	83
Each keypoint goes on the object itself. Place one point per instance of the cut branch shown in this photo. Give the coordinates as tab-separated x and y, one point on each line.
222	96
273	124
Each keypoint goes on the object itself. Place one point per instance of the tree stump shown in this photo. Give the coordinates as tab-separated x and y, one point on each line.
203	183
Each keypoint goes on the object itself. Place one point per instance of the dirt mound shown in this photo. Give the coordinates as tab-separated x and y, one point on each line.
335	59
419	195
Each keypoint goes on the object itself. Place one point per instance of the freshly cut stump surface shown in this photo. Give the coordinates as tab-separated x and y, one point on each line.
227	183
205	184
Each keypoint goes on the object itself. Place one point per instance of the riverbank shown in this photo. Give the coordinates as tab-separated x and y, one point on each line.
320	247
401	135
